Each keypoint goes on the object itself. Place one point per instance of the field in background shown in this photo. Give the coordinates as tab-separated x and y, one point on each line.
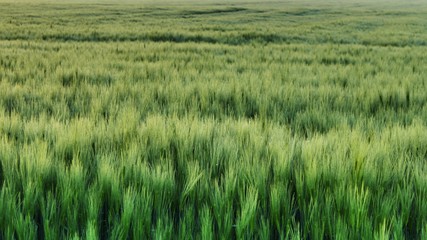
213	121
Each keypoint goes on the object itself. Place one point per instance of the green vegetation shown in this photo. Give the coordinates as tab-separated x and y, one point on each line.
213	121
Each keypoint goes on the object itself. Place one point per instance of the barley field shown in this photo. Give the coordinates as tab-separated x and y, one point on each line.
213	120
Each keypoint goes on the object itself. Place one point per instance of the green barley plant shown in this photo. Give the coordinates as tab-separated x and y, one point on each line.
207	230
246	220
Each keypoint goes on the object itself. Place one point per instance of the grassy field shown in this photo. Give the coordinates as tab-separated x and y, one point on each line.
202	120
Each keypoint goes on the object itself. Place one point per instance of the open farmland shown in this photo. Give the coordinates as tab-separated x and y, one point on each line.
199	120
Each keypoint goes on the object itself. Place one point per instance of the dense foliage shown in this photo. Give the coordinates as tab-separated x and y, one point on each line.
213	121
